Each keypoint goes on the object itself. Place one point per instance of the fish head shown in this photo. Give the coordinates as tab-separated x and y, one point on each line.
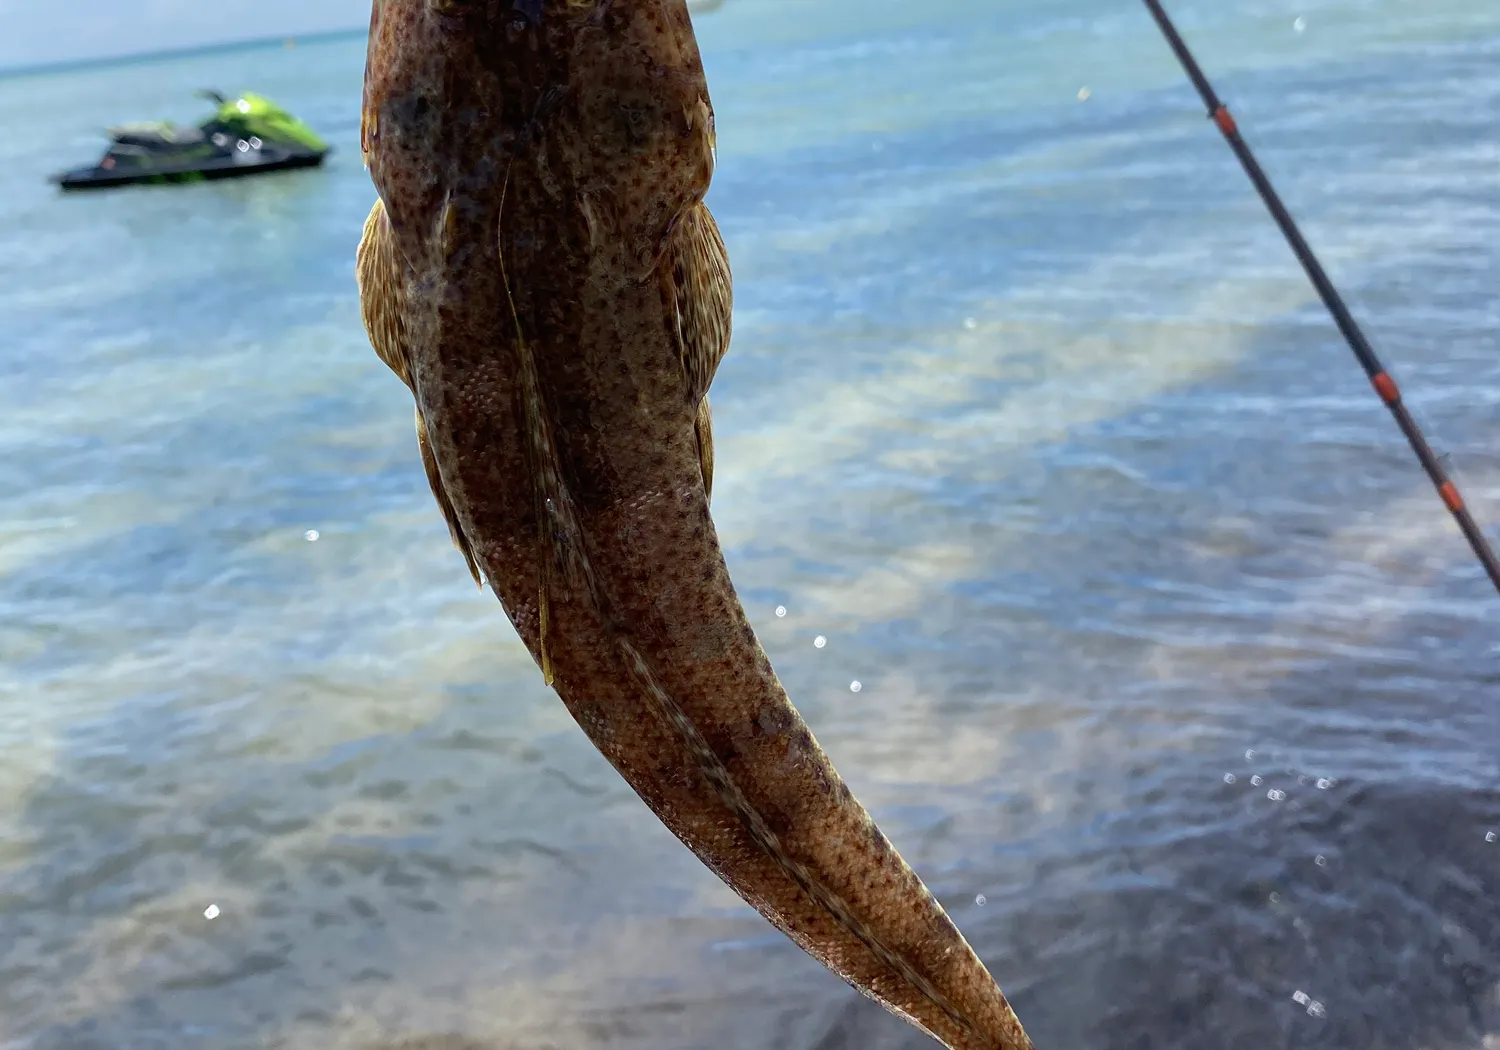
600	101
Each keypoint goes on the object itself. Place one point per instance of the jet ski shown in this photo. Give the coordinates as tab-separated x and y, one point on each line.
246	135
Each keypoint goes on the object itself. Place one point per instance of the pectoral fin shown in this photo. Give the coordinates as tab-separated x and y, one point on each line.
700	300
381	300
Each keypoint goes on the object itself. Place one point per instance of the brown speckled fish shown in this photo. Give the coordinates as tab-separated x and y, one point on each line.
541	272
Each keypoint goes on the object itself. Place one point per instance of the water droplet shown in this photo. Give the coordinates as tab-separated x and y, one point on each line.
311	535
1083	94
781	610
1489	836
1299	25
820	641
855	687
1321	861
1316	1009
981	900
970	323
1324	783
1301	998
1230	778
1250	756
1275	898
1257	781
1276	795
211	912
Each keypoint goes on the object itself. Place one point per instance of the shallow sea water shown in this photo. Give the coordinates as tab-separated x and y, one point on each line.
1177	684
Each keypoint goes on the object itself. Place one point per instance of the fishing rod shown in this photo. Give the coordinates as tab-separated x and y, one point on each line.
1380	379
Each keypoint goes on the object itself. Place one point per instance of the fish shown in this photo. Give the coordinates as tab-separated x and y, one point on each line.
540	270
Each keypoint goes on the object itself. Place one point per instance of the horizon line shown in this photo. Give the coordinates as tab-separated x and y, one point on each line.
69	65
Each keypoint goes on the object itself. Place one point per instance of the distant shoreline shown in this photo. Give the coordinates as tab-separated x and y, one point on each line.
104	61
72	65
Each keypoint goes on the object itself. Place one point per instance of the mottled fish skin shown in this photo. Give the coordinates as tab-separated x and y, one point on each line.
542	274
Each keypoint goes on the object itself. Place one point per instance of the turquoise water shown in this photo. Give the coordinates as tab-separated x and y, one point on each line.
1165	648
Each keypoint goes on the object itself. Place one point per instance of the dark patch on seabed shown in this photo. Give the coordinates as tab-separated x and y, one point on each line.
1382	934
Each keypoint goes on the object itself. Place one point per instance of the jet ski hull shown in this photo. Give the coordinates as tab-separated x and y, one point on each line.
98	177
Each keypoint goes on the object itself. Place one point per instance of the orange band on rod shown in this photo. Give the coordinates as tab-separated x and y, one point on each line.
1449	492
1224	120
1385	386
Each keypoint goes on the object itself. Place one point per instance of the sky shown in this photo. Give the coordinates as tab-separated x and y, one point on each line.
34	32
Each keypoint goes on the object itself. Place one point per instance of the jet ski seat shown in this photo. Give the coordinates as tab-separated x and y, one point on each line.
156	136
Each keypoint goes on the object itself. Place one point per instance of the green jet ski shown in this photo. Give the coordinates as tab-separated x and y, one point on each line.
246	135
